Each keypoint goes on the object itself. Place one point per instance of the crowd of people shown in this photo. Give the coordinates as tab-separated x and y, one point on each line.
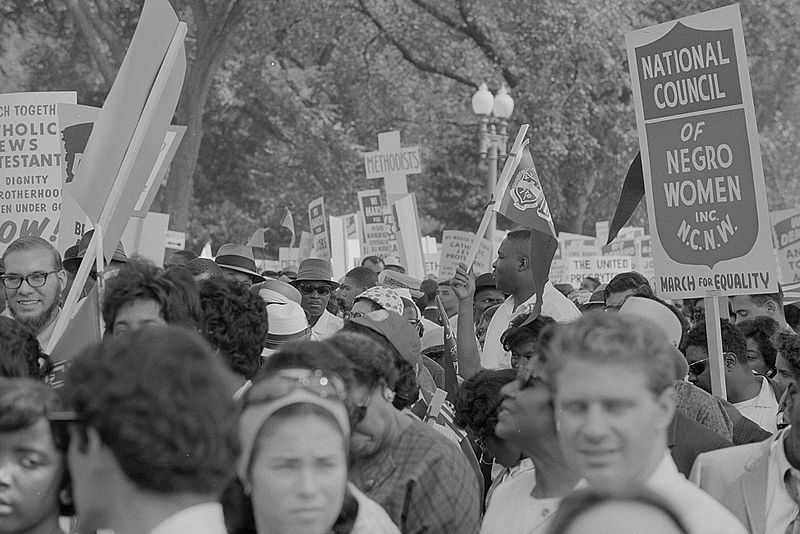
226	400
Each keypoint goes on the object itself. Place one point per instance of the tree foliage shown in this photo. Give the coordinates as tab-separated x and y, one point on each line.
283	97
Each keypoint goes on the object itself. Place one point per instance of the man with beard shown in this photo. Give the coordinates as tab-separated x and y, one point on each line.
33	281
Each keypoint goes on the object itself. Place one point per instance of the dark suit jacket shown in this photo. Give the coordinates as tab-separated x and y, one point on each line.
737	478
687	438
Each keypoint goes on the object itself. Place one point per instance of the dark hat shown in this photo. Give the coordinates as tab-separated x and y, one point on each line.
486	280
315	270
238	258
73	262
597	300
397	331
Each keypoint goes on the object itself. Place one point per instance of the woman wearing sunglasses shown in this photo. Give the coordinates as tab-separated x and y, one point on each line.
526	419
33	475
295	435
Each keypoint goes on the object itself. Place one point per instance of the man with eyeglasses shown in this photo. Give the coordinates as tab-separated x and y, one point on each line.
315	283
754	396
33	281
612	380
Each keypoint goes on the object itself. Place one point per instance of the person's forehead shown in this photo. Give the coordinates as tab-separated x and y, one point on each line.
742	302
581	379
696	352
139	307
29	259
33	437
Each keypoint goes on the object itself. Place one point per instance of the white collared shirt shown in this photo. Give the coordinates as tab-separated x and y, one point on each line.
780	507
327	325
555	304
203	518
701	513
761	409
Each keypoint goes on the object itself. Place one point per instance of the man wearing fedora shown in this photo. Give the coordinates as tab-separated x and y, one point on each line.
238	263
315	282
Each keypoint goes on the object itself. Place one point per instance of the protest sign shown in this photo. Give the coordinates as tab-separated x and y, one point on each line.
318	221
172	140
289	257
455	249
786	228
175	240
407	217
75	124
375	241
30	165
128	134
305	245
351	225
701	158
339	250
147	237
603	268
393	163
601	232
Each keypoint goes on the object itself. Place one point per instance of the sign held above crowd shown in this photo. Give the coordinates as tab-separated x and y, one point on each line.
700	157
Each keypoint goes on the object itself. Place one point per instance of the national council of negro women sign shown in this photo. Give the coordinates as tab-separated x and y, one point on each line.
701	159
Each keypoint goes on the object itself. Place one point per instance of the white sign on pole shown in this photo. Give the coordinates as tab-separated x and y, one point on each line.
375	241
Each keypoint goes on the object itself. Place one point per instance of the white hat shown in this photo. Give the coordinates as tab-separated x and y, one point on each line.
287	323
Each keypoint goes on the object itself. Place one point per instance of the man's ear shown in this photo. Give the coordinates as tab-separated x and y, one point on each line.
771	307
729	359
666	402
62	279
524	263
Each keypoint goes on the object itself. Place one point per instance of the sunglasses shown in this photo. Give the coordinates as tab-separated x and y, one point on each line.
527	377
308	289
326	385
698	367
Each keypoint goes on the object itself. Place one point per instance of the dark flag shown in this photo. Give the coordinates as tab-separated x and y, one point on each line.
632	193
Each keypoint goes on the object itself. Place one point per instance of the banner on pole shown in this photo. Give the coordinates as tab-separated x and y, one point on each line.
407	216
318	221
603	268
701	160
30	165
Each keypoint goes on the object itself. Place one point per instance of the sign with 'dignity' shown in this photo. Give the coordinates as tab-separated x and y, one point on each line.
30	165
706	200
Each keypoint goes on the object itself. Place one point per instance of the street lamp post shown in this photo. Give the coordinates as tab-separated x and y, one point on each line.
494	111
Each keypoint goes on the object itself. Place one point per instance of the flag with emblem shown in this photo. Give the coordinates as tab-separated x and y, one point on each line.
523	202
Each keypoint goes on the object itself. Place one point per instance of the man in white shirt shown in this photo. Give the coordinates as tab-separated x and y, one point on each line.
612	378
152	433
512	270
315	282
755	396
758	482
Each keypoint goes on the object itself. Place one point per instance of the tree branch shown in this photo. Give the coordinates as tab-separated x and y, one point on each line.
99	22
441	17
419	62
486	44
97	46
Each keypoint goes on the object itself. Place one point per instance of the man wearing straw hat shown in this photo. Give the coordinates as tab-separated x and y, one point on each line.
315	282
238	263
